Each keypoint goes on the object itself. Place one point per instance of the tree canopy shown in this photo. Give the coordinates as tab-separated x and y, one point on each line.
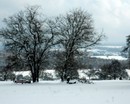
76	31
29	37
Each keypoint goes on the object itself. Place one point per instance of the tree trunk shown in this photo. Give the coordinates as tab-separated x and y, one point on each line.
37	74
68	67
34	77
33	73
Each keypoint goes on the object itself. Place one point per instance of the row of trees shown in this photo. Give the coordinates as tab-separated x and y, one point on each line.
29	37
107	70
113	70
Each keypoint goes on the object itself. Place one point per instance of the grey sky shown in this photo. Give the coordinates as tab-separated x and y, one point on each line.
113	16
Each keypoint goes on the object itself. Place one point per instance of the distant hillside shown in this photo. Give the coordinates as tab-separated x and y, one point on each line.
108	52
94	56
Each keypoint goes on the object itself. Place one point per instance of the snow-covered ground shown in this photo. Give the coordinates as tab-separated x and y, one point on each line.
111	57
55	92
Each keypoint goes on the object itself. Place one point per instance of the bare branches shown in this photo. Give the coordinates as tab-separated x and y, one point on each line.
76	31
29	36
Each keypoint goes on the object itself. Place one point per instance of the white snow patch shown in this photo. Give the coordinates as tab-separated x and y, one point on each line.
50	71
109	46
128	72
24	73
111	57
82	73
101	92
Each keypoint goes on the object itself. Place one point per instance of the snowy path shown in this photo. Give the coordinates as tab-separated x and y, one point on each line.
102	92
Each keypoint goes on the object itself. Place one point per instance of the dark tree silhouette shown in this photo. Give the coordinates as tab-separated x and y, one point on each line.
127	48
28	38
76	31
113	70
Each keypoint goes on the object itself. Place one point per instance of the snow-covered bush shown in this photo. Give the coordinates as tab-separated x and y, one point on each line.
47	76
84	80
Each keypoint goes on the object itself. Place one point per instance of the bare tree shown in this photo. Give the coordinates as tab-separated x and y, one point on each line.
28	38
127	48
76	30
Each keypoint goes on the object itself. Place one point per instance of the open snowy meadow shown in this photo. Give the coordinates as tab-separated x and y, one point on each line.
55	92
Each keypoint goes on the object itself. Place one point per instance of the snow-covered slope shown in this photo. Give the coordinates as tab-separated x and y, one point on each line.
108	52
55	92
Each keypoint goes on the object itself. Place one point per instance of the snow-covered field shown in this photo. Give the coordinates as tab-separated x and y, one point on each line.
108	52
55	92
111	57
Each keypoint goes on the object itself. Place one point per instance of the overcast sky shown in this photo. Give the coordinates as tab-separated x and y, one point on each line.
113	16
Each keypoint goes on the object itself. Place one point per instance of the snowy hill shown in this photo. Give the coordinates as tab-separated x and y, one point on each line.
108	52
102	52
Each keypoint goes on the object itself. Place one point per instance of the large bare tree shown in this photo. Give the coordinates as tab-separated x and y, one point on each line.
28	38
76	31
